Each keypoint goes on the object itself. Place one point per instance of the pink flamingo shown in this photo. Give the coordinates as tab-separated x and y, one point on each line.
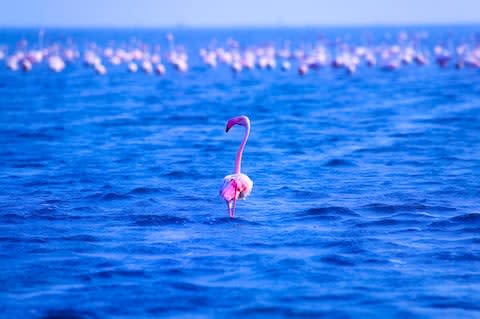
237	186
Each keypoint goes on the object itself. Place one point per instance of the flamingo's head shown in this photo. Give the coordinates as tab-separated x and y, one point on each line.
239	120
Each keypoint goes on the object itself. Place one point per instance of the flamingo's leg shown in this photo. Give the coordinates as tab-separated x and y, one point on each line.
229	207
234	202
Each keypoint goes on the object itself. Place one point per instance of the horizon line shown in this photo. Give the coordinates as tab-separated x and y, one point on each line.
248	26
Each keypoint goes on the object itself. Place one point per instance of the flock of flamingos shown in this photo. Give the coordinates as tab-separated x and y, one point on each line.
147	59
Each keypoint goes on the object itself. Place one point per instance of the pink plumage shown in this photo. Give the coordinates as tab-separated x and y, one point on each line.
237	186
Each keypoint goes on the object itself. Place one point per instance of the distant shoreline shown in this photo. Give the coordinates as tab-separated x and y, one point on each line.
246	27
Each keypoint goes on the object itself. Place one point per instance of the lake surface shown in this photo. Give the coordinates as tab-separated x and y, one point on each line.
365	201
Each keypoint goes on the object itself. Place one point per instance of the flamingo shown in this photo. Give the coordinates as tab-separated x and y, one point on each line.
160	69
286	65
26	65
236	67
147	66
100	68
237	185
303	69
132	67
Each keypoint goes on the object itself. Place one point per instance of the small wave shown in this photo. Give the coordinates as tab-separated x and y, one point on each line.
118	272
346	246
185	286
385	222
29	165
37	183
53	201
152	99
145	202
290	263
457	304
178	174
50	213
406	230
376	261
119	122
340	163
228	220
28	239
457	256
53	213
444	302
81	238
84	209
185	118
261	245
387	208
336	260
331	210
108	196
407	134
473	230
115	196
419	215
69	314
377	150
282	311
41	135
325	213
150	190
472	219
12	218
158	220
298	193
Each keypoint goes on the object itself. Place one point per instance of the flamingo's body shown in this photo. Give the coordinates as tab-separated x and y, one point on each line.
237	186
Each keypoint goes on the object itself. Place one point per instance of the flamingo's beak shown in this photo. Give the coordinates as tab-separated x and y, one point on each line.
230	124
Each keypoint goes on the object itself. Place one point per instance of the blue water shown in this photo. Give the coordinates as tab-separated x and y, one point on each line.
365	201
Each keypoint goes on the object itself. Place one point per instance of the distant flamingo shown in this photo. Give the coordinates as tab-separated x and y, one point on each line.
132	67
147	66
160	69
100	68
286	65
236	67
303	69
237	186
26	65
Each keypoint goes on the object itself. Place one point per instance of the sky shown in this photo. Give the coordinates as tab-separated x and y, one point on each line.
229	13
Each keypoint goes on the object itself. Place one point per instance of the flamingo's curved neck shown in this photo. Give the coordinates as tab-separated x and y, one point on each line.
238	161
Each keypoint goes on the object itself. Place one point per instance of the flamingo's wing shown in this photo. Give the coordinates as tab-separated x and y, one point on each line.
229	189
